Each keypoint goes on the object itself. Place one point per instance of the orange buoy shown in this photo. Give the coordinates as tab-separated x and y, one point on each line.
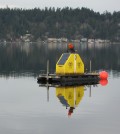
103	82
103	75
70	45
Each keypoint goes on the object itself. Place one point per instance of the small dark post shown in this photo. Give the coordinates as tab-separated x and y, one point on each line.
90	66
47	69
47	92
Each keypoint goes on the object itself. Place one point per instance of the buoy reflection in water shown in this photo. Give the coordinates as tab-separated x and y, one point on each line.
70	97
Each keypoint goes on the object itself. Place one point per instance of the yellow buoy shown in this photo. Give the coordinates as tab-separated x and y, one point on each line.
70	63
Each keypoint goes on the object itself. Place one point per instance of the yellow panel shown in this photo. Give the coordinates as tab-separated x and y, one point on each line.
79	64
69	65
79	94
60	91
73	95
69	95
73	65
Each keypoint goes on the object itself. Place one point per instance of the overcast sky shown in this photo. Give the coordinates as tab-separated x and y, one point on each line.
96	5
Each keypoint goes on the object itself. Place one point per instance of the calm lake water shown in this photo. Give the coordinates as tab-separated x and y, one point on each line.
24	106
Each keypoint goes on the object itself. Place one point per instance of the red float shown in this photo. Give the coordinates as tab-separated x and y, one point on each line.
103	75
103	82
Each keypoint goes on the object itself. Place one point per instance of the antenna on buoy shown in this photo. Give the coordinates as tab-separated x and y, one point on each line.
47	80
47	69
90	66
90	92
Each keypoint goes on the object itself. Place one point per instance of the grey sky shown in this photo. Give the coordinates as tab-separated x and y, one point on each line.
96	5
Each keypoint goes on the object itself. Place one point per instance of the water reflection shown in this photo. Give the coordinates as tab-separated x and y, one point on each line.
70	97
32	57
23	105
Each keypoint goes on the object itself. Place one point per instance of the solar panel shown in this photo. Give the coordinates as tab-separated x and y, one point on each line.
63	59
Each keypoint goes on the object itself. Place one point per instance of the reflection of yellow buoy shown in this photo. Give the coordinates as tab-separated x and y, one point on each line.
70	96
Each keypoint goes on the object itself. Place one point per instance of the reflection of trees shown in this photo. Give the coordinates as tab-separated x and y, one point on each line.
106	57
33	57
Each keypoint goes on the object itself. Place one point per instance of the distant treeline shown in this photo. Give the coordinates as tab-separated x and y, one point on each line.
56	23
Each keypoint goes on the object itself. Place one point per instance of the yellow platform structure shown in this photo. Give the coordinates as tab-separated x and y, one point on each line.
69	63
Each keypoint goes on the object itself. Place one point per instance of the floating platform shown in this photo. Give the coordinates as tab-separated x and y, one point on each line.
70	80
70	71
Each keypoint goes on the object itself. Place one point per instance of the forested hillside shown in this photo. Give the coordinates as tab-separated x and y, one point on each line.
56	23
